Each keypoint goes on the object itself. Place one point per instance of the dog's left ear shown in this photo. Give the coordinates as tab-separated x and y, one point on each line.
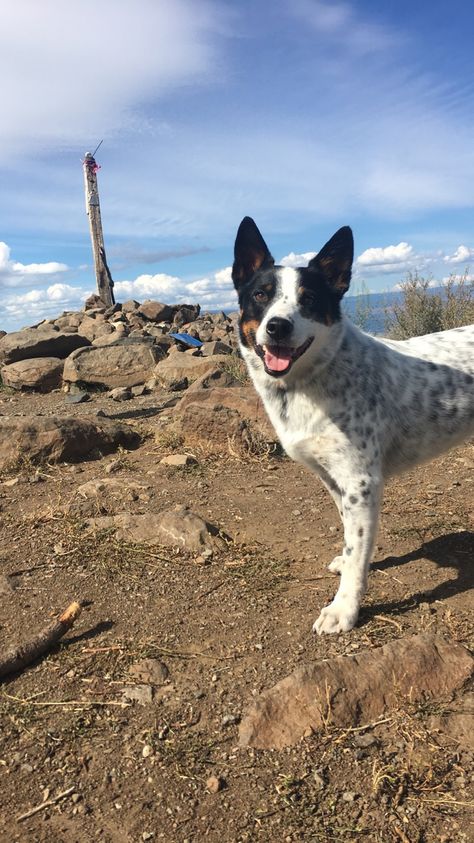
250	252
334	261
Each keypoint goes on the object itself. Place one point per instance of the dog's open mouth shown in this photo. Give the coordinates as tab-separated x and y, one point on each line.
278	359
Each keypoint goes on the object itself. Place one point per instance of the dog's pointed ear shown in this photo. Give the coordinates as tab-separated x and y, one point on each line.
334	261
250	252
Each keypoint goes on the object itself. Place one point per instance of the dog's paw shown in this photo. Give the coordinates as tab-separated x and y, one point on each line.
339	616
336	565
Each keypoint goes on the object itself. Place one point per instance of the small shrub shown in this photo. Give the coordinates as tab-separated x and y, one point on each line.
422	311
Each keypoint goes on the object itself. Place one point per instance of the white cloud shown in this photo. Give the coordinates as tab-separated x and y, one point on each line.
463	254
212	292
340	22
389	259
84	68
295	260
381	256
16	274
30	307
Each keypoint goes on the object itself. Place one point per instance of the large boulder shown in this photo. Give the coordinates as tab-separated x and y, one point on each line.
39	342
60	438
155	311
206	402
346	691
127	362
38	373
178	366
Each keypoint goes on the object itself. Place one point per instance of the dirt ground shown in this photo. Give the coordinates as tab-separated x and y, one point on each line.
224	631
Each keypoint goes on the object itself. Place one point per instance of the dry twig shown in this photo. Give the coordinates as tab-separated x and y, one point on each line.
46	804
23	655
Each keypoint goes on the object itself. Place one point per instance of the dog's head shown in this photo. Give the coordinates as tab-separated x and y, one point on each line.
285	314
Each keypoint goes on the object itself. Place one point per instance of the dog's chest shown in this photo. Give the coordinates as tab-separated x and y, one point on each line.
297	418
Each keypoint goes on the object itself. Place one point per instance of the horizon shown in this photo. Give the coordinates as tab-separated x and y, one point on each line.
307	117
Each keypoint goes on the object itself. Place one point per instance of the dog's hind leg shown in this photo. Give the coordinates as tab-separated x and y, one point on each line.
360	513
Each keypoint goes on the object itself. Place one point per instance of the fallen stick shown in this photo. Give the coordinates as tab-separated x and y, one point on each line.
46	804
23	655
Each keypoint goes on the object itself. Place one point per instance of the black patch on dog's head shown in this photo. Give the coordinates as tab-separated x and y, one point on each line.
326	278
253	274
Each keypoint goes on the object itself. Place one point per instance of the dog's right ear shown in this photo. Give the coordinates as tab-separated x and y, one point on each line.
250	252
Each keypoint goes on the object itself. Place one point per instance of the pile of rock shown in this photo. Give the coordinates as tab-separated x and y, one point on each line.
118	347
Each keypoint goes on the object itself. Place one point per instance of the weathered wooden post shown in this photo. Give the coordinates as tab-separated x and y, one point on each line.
102	272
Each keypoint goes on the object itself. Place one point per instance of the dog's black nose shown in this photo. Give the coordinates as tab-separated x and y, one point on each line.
278	328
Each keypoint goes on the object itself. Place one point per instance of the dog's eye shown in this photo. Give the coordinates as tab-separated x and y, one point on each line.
307	298
260	296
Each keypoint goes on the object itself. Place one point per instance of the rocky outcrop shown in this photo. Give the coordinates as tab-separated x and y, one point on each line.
38	373
32	342
60	438
178	366
346	691
123	364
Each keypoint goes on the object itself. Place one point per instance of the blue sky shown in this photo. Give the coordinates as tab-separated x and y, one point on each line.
305	114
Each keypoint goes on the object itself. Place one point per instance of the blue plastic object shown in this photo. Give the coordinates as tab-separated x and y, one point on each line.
187	339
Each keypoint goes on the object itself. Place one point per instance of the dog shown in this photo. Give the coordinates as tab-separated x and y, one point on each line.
353	408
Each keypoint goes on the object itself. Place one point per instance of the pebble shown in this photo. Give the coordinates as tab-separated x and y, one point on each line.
365	740
348	796
214	784
147	750
230	719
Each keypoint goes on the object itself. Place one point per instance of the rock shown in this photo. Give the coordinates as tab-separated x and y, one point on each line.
179	460
126	363
77	397
179	366
230	720
94	327
213	378
177	527
6	585
215	783
142	694
209	349
92	301
120	393
186	313
37	373
130	305
354	689
214	424
155	311
59	438
33	342
149	671
100	497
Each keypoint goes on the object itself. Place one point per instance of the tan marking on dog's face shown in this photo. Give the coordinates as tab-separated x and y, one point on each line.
249	329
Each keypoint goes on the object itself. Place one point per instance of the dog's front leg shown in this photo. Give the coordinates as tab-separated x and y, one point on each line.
360	515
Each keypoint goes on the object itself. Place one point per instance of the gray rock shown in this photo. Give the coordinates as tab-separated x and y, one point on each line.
79	397
41	374
121	393
176	527
33	342
209	349
125	363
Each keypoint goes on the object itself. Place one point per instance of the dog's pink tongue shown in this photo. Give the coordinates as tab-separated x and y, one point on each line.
278	359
